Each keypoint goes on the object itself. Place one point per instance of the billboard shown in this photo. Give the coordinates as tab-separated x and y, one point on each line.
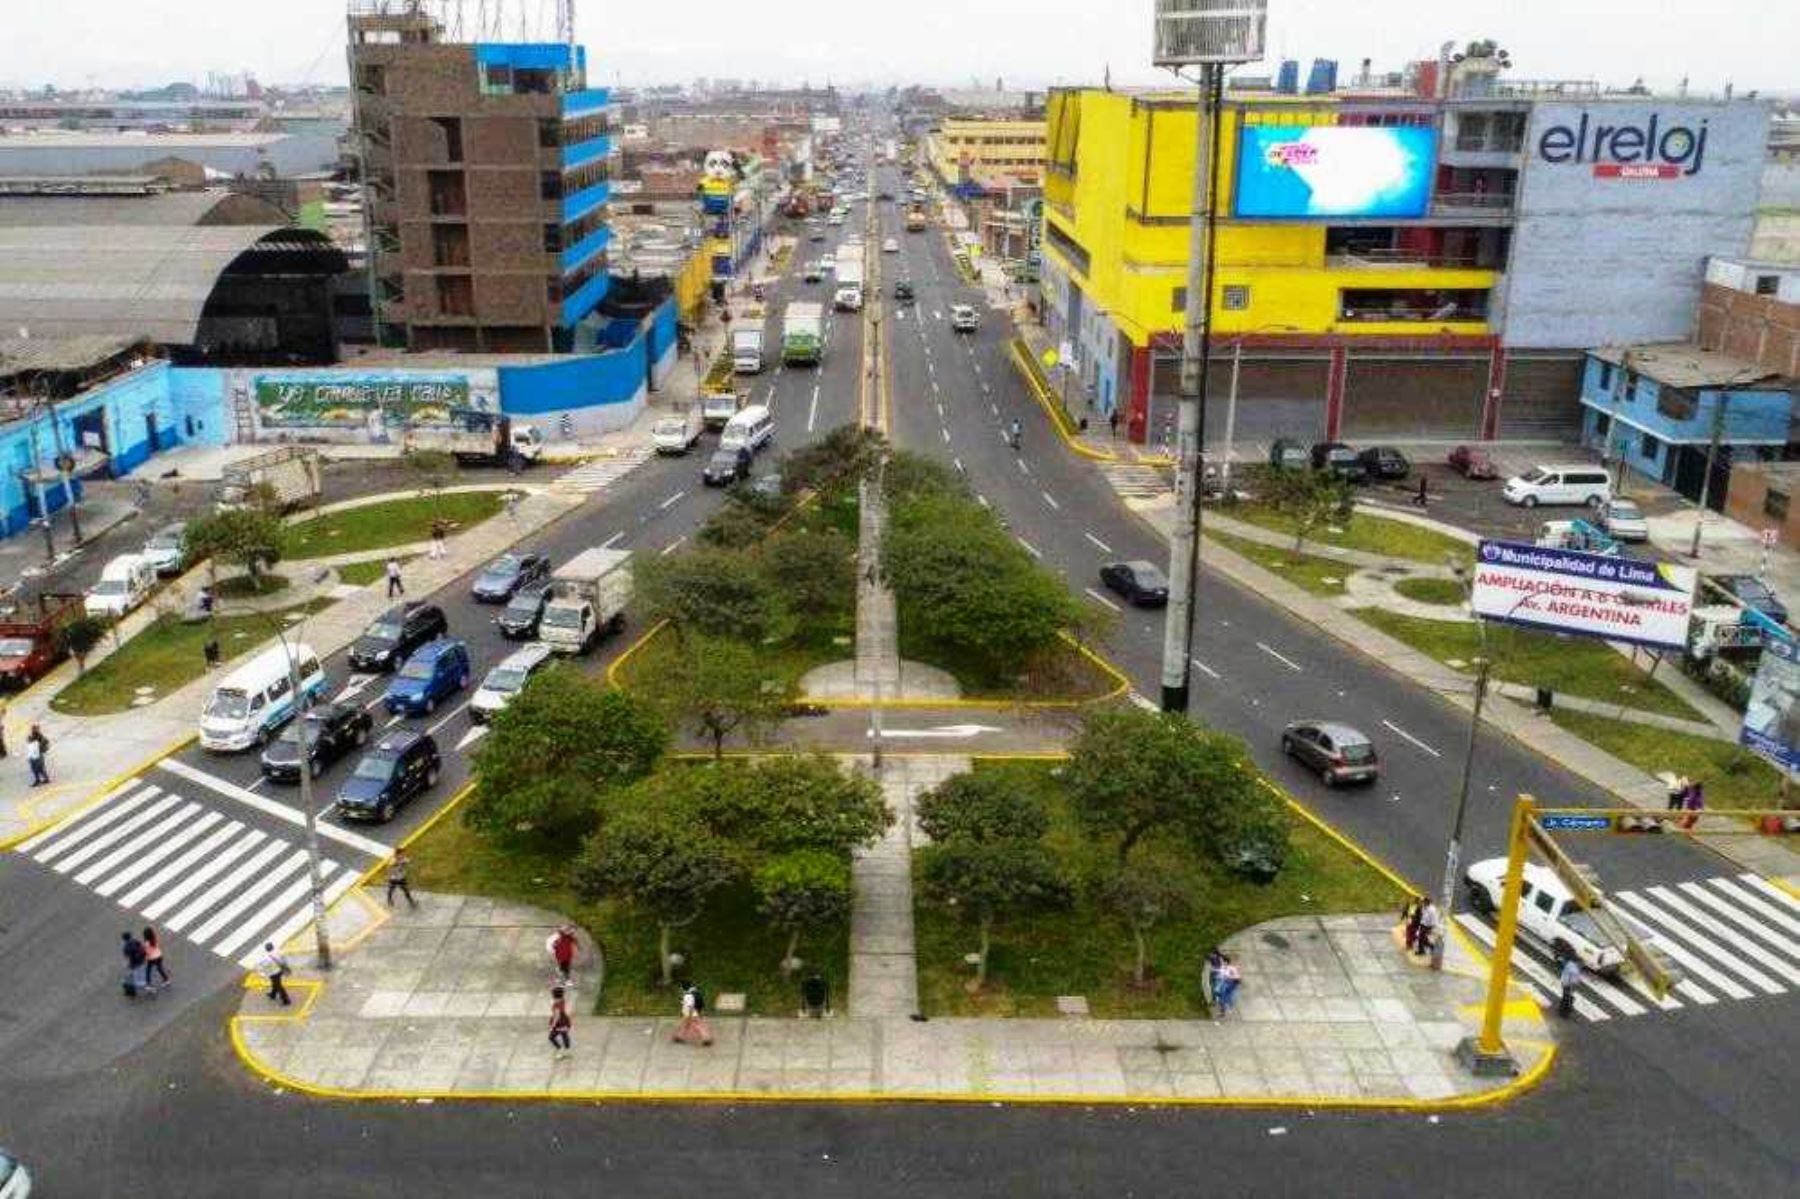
1334	170
1590	595
1772	718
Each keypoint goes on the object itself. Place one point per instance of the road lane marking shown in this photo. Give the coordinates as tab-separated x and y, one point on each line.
1051	500
1203	668
1104	548
204	871
168	846
1029	548
203	852
940	411
982	500
1023	469
269	807
1403	734
1144	703
812	410
476	732
1101	600
145	838
59	839
671	501
458	710
611	541
1279	657
994	408
674	545
957	462
1690	960
946	434
113	836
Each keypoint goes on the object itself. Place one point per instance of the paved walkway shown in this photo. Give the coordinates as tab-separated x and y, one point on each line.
452	1001
884	977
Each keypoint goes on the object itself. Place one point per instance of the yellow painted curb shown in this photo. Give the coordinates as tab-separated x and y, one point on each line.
105	789
1058	418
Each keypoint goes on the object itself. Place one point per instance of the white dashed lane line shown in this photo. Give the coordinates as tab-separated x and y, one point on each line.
672	546
1029	548
1103	547
671	501
1279	657
1204	669
1100	599
1406	736
1051	500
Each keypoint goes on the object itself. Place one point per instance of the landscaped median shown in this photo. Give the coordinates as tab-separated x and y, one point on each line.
402	520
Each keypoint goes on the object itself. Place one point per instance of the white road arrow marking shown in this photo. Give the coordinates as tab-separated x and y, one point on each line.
476	732
353	686
944	730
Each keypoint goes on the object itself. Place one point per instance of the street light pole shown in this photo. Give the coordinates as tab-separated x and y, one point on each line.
1712	453
314	858
1453	853
1237	359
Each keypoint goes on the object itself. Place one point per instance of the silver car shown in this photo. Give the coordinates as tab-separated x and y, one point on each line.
1339	753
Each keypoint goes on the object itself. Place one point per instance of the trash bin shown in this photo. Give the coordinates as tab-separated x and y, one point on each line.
1544	699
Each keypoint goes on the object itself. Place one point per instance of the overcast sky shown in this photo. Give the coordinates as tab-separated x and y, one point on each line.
122	43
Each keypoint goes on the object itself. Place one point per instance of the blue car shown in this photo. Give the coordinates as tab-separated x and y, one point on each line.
434	672
405	764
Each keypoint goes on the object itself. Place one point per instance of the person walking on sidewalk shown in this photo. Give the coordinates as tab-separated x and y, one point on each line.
1209	975
37	748
438	533
1423	497
153	959
562	945
274	967
693	1024
395	586
1225	987
1693	803
1568	978
1430	930
1677	790
559	1022
1411	916
133	949
396	879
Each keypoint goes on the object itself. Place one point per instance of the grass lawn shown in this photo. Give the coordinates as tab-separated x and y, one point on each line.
729	947
1432	591
166	656
1374	534
813	645
361	574
1063	674
1734	777
392	522
1079	952
238	586
1321	576
1574	665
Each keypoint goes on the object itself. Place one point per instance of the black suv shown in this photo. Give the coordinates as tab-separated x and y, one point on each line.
331	729
392	637
1340	460
404	764
903	290
519	620
1384	462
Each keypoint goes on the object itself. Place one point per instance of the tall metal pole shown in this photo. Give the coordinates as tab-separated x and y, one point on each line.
314	859
1237	361
37	478
1712	453
62	470
1453	854
1184	548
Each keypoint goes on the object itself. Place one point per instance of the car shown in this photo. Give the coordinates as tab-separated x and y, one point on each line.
964	318
1753	593
1472	463
814	272
1623	520
1141	583
403	765
1339	753
890	246
1577	484
506	680
726	467
848	299
678	434
434	672
395	634
15	1179
1550	914
903	290
166	548
506	574
1287	454
1384	462
331	731
519	620
1339	459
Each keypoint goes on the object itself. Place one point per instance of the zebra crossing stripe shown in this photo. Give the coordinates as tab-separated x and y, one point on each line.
274	909
218	891
119	832
269	876
139	843
176	868
1690	961
210	869
46	846
1755	904
1737	917
1542	983
1730	936
299	919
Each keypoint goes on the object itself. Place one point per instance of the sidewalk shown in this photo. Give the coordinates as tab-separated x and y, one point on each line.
452	1001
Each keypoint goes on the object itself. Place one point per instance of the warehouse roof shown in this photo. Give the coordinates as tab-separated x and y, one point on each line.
166	208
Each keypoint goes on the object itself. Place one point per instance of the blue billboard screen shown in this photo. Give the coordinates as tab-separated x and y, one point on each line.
1299	171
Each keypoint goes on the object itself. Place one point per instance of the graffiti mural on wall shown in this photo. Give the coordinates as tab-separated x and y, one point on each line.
374	406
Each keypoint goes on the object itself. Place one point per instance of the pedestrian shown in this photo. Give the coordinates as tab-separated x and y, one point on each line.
438	533
562	946
693	1024
1678	785
153	958
133	949
1112	424
1209	975
1694	803
1423	497
1413	913
396	878
1429	931
205	602
211	652
274	967
1568	977
395	586
559	1022
2	732
37	748
1226	987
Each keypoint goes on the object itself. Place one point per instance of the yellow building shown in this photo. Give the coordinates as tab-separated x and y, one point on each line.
990	151
1315	273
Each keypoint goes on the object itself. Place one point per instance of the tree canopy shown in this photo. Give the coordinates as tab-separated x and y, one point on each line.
982	807
717	687
713	592
802	890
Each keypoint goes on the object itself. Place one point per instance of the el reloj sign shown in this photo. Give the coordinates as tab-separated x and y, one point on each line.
1646	150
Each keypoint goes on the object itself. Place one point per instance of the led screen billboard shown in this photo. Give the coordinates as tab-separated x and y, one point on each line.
1298	171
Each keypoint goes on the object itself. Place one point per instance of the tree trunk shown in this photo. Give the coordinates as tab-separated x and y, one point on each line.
1129	841
662	951
792	948
982	954
718	740
1143	955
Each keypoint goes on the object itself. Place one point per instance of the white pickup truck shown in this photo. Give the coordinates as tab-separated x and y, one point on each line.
1550	914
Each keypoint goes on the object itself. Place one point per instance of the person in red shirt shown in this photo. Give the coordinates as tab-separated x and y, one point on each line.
562	951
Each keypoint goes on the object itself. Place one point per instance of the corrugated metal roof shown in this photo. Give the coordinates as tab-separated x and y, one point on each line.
168	208
19	355
1684	364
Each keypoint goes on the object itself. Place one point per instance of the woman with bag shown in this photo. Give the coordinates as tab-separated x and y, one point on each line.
692	1027
153	958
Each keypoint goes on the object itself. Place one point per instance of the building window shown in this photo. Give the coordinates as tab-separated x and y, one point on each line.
1178	299
1602	424
1775	505
1234	297
1606	372
1767	285
1648	447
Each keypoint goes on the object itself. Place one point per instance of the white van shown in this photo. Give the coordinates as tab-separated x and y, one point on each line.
125	582
257	698
1559	485
750	429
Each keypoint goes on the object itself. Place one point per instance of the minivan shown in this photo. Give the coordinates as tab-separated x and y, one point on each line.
1559	485
750	429
253	701
434	672
125	582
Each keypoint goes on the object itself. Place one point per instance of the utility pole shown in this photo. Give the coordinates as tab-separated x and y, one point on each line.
314	860
1453	854
1712	454
37	478
62	469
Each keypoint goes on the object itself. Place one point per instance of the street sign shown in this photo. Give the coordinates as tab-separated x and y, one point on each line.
1591	595
1576	824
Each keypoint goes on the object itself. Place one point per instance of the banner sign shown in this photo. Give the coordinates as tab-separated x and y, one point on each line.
1591	595
1772	718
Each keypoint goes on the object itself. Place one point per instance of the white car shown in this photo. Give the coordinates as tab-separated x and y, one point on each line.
124	583
1550	914
849	299
1623	520
507	680
890	246
964	318
166	548
675	434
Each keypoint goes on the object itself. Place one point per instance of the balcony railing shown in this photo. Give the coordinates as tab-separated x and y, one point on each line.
1491	143
1444	314
1376	259
1490	203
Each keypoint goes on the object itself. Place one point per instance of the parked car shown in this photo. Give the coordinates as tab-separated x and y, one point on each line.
401	767
1559	485
1753	593
1384	462
964	318
1142	584
1550	914
507	680
1472	463
726	467
431	675
124	583
676	435
166	548
1339	459
395	634
1287	454
507	574
1339	753
519	620
1623	520
903	290
890	246
331	731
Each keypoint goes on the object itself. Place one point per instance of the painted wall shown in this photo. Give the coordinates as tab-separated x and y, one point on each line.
1750	417
581	396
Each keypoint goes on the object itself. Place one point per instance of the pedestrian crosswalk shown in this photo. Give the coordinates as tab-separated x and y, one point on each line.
1135	482
601	473
188	868
1735	937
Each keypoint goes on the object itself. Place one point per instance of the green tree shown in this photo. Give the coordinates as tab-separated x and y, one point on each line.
1308	498
909	476
734	526
814	572
989	884
800	802
554	750
658	860
712	592
432	470
246	537
803	890
1140	896
982	807
1132	772
79	636
717	687
836	462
